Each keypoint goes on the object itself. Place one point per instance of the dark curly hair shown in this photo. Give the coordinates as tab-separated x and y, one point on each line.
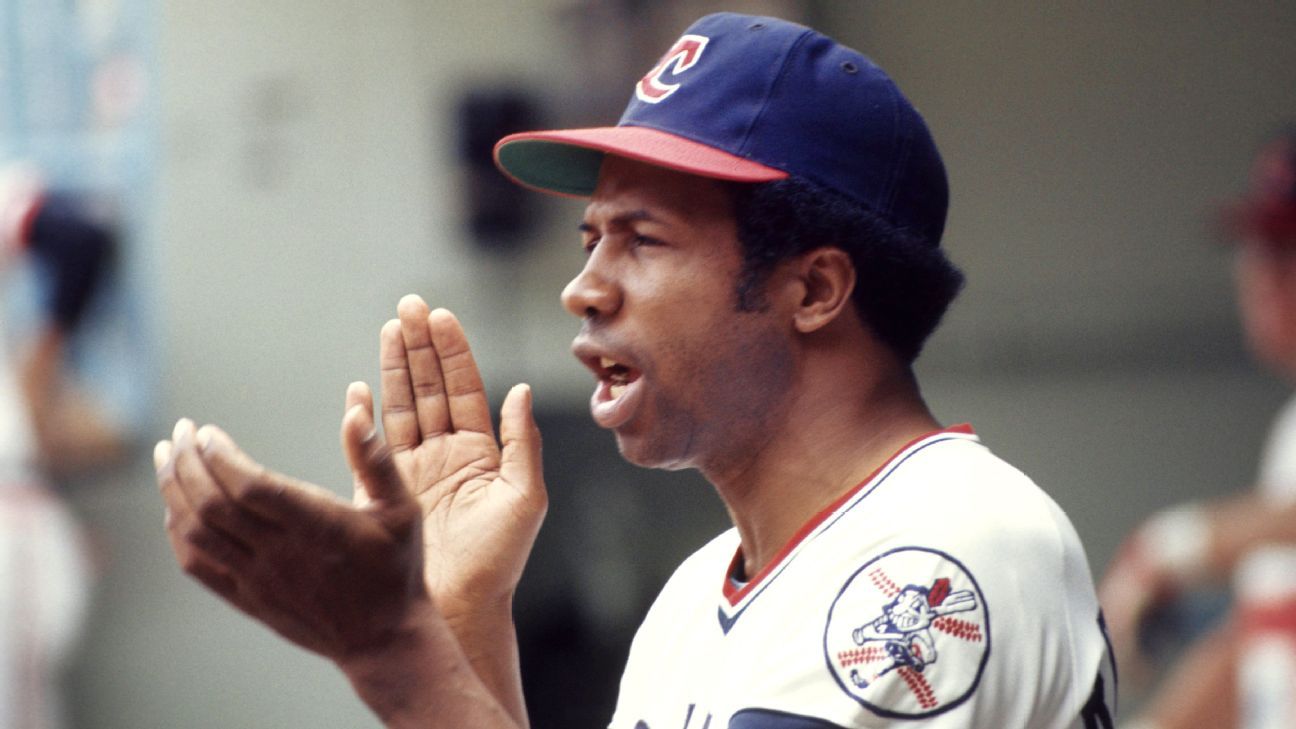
903	285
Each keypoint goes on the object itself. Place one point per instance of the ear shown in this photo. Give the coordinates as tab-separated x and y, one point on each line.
828	280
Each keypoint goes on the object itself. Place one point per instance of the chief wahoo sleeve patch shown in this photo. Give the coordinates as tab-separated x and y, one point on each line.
908	636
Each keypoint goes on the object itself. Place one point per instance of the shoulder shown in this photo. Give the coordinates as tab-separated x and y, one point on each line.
1278	462
1002	527
1285	420
963	495
978	554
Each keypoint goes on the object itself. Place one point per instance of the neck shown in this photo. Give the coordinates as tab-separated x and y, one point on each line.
838	430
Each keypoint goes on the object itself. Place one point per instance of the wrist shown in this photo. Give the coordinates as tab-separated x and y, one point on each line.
478	624
485	633
458	611
419	678
391	675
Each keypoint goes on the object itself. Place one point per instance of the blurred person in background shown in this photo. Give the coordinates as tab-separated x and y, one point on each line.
1242	673
48	429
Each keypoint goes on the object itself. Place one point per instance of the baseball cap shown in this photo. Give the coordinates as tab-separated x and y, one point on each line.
1268	212
757	99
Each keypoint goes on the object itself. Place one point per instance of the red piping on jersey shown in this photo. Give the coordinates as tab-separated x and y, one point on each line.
734	595
1270	617
25	223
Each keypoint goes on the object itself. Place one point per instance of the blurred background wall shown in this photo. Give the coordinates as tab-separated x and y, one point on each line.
312	166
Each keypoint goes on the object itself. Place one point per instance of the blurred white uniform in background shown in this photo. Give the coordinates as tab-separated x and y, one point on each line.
45	570
45	575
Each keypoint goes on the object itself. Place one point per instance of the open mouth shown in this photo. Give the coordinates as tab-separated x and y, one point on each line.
616	395
617	376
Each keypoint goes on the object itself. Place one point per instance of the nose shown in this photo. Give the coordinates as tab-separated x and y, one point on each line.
593	293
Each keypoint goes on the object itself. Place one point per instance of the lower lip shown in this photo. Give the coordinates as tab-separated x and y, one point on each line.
610	413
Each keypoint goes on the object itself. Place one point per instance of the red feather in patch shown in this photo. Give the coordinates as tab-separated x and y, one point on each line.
940	590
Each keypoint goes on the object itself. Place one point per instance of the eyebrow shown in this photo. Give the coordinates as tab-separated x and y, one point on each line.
630	216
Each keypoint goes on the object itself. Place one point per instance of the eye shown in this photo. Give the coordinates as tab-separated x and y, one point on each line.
589	237
640	241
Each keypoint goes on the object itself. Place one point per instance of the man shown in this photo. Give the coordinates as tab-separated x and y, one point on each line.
763	267
1190	545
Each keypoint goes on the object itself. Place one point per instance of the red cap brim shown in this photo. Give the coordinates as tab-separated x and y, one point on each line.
566	161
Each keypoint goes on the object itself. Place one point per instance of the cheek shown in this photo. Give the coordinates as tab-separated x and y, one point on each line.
737	373
1267	301
1283	326
712	362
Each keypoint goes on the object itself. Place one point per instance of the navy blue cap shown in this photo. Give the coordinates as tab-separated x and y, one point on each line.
755	99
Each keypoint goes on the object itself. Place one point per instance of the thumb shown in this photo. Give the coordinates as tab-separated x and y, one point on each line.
520	461
370	459
357	394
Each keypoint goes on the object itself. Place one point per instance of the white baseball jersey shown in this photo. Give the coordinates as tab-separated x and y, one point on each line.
1278	463
947	590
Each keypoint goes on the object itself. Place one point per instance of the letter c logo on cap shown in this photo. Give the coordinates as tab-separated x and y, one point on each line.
681	57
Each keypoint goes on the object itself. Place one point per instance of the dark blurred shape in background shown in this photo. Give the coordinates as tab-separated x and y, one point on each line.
498	213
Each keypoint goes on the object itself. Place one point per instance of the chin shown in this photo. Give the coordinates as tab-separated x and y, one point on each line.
647	454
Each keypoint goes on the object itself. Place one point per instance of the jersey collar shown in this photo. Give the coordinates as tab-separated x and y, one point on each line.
737	598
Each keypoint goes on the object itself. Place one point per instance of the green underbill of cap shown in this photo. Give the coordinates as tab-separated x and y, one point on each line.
553	166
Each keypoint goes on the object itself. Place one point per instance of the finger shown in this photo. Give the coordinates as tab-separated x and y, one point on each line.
358	393
371	460
210	504
193	559
275	498
358	397
161	454
464	390
161	460
425	371
209	572
191	539
185	475
400	421
520	460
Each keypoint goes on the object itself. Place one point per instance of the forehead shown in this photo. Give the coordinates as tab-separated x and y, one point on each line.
626	187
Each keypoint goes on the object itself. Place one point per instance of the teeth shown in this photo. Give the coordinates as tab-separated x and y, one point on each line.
606	363
616	391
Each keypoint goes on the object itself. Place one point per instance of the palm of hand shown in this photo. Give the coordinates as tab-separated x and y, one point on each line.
476	523
482	504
